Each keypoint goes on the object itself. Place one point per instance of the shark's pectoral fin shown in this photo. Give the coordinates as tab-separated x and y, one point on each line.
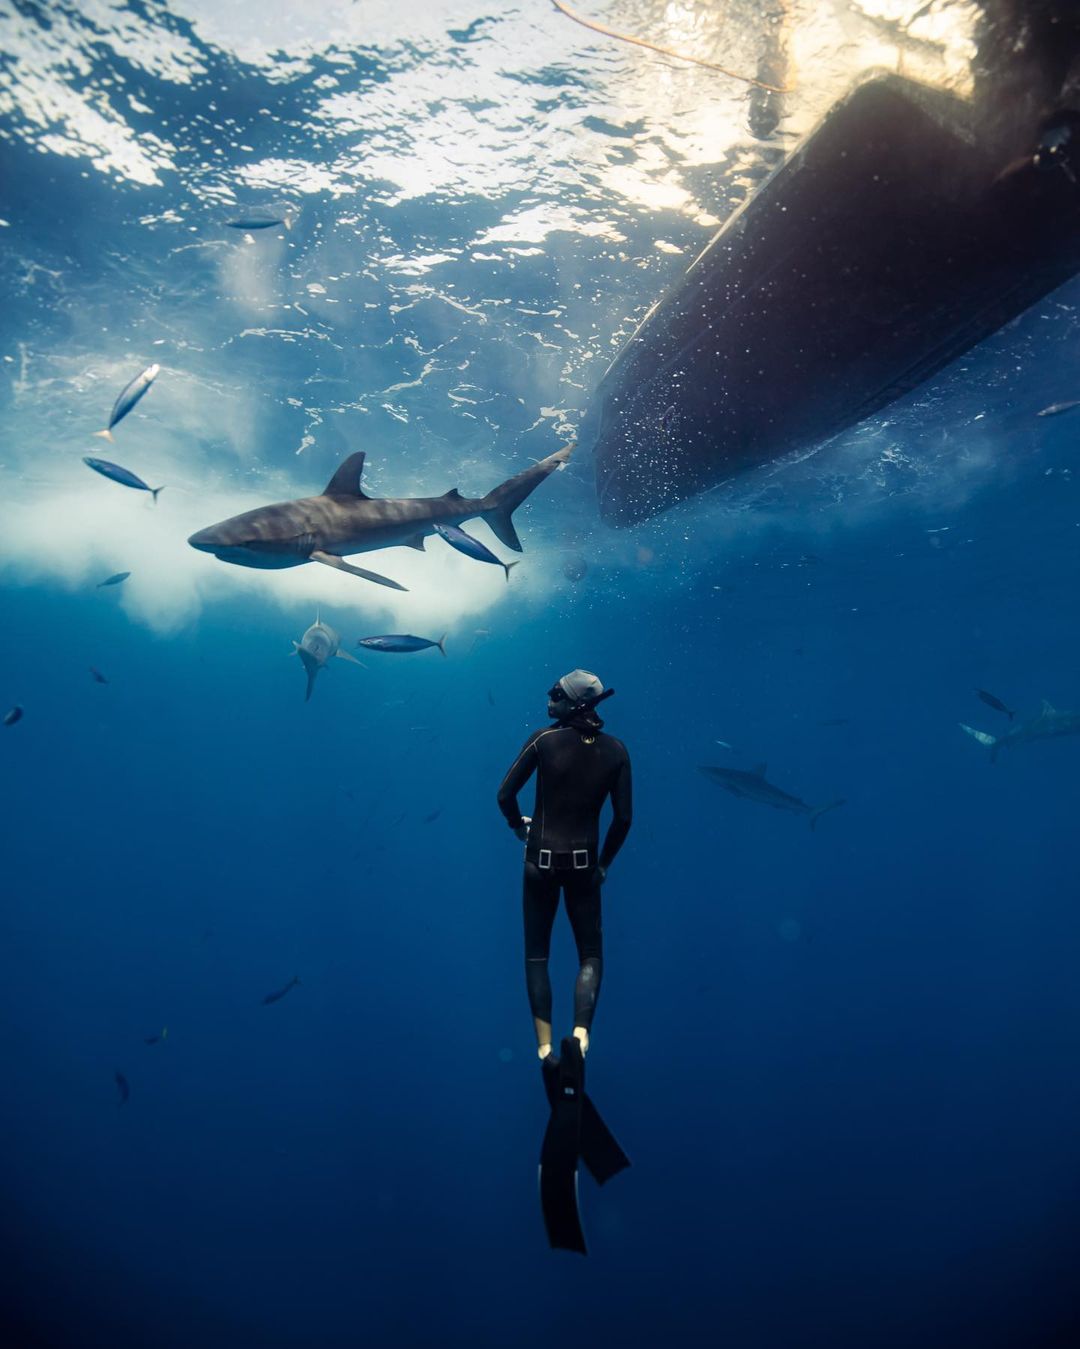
311	669
348	655
417	541
329	560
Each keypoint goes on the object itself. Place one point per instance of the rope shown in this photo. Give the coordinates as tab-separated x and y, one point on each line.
666	51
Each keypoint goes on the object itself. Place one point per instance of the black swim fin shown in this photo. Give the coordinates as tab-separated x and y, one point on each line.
574	1130
600	1150
564	1081
598	1147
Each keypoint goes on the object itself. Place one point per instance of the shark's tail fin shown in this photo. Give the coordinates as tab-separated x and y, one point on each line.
499	505
816	814
311	665
984	738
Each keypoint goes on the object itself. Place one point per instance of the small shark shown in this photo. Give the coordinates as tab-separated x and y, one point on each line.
753	787
318	645
1048	725
345	520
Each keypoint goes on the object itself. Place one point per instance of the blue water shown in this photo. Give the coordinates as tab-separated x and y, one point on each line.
842	1061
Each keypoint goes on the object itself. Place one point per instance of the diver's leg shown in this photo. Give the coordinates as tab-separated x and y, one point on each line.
583	908
541	902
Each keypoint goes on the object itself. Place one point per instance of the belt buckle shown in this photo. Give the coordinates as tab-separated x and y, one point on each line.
583	853
543	860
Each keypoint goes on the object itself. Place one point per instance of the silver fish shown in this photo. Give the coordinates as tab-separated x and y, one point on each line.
992	700
279	993
465	543
124	476
129	396
260	220
401	643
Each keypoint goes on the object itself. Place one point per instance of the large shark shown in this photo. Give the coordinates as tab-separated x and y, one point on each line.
345	520
753	787
317	646
1048	725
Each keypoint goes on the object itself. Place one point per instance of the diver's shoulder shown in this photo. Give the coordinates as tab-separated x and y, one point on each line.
614	743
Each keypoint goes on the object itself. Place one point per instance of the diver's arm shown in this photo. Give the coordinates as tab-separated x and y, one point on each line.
622	806
521	770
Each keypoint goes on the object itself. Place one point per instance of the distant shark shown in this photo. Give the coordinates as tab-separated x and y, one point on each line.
753	787
318	645
1048	725
345	520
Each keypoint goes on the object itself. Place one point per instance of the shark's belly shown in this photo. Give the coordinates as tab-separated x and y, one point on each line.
245	557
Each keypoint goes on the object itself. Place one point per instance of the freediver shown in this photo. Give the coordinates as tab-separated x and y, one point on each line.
578	767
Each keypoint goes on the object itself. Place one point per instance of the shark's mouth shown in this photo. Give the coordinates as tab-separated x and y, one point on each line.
241	555
263	553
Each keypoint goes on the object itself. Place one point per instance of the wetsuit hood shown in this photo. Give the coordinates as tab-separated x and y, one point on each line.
580	686
573	700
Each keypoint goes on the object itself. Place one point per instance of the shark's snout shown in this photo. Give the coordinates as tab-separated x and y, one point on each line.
206	540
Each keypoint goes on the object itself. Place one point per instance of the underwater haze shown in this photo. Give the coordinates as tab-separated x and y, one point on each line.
843	1060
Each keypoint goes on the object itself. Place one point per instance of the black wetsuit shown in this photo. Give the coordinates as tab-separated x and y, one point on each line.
577	768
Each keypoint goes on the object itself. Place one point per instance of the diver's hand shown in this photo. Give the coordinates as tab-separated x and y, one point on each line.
601	873
522	831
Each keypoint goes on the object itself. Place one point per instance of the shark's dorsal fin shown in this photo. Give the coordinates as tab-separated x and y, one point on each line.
346	481
453	495
1048	709
759	770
